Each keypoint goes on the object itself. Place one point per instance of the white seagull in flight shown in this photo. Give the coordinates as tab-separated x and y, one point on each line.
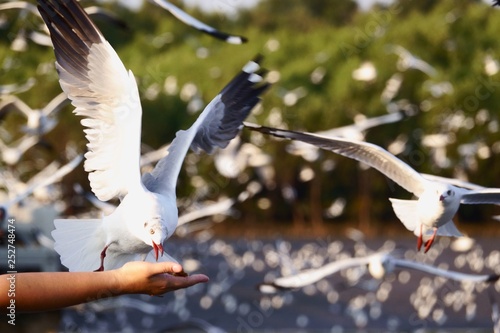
437	202
191	21
106	95
379	264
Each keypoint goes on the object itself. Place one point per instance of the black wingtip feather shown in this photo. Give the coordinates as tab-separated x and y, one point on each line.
239	98
492	278
225	36
72	33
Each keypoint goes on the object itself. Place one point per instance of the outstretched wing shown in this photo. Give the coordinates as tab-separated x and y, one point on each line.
191	21
103	92
368	153
218	124
484	196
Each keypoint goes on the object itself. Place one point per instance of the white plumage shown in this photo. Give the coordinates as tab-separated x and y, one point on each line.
105	94
431	214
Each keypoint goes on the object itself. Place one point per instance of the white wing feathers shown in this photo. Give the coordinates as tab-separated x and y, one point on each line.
219	123
104	93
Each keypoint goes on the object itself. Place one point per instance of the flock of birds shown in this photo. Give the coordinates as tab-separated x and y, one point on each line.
105	95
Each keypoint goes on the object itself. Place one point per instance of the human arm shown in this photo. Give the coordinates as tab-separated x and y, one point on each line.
44	291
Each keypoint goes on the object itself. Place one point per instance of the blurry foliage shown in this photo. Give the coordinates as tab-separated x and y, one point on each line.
301	39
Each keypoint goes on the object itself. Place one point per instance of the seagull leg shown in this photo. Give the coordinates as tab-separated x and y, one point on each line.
430	241
103	255
419	239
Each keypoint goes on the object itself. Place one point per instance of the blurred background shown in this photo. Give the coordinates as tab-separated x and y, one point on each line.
426	73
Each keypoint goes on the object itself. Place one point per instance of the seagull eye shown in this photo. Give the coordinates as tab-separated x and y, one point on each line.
151	231
449	192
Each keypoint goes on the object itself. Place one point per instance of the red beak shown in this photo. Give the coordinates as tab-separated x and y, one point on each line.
157	247
441	198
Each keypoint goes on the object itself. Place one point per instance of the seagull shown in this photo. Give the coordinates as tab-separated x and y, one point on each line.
17	88
437	202
94	11
19	43
408	60
42	179
106	95
39	121
12	154
222	206
379	264
237	156
312	275
191	21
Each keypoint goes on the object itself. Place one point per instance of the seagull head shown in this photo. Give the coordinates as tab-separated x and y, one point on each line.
446	195
154	234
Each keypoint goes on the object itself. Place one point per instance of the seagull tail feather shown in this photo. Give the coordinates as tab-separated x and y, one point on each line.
79	243
406	211
449	229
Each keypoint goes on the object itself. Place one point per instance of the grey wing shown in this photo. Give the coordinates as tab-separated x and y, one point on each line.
486	196
219	123
368	153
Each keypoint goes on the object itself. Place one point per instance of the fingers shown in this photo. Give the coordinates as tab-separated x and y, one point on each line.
176	269
198	278
166	267
178	282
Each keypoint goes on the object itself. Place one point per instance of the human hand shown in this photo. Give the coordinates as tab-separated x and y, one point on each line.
141	277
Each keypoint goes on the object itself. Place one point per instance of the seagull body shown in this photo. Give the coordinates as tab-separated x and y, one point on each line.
106	95
431	214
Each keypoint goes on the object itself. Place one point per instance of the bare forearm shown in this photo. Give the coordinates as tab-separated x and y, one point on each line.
49	291
55	290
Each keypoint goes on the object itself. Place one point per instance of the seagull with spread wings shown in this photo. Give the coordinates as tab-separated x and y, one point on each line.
106	95
437	202
191	21
379	264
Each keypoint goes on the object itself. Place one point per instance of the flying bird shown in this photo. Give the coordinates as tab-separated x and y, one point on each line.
17	88
106	95
48	176
408	60
12	153
38	121
431	214
379	264
191	21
